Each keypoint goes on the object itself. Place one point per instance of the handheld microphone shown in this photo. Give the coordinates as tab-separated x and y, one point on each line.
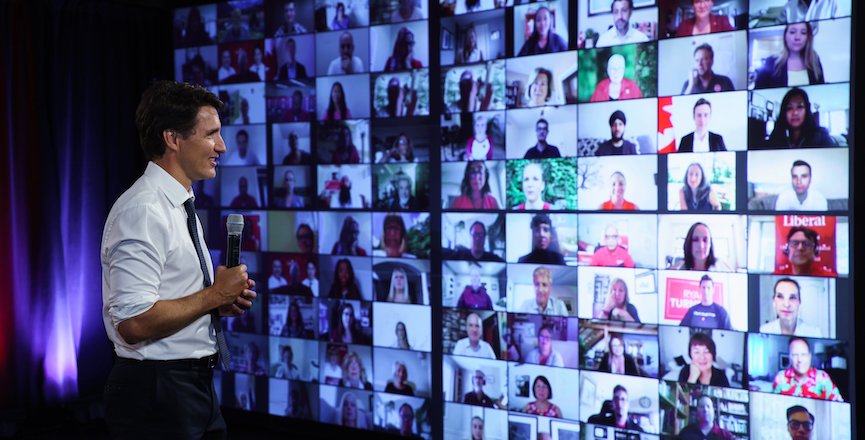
234	224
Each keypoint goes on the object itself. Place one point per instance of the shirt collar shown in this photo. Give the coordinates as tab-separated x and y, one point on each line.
173	190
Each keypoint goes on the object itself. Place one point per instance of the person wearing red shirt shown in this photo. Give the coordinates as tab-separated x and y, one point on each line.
612	254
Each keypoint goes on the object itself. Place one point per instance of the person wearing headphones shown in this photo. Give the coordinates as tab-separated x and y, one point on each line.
802	250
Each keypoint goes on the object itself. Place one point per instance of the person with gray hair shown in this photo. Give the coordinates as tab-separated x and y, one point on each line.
399	383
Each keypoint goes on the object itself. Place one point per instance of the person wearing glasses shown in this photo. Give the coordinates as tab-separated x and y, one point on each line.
544	354
800	422
801	251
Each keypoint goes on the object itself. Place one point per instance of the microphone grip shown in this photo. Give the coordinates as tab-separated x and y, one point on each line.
232	250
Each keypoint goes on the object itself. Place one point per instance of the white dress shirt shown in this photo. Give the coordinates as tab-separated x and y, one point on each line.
335	67
464	347
554	306
789	201
611	37
147	255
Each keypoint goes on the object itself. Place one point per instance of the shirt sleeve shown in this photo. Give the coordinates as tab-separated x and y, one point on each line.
134	253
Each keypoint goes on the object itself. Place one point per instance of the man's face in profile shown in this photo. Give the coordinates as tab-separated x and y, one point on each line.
799	426
346	46
800	357
473	327
707	290
621	16
703	61
543	288
801	176
542	236
620	403
541	129
800	249
617	130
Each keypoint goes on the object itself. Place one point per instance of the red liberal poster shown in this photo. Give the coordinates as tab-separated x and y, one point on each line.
823	225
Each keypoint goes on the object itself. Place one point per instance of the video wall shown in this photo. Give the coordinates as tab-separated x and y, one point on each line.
584	219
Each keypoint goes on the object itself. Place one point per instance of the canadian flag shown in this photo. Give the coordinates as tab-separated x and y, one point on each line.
666	133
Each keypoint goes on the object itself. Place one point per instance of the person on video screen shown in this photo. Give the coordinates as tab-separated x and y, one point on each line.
544	303
616	361
701	139
406	422
402	57
348	243
699	251
285	368
470	52
243	200
545	246
251	363
797	126
786	300
618	305
242	155
475	295
258	67
345	328
400	152
305	238
704	21
276	280
543	38
351	414
399	383
797	64
295	155
617	200
404	199
353	373
394	238
295	112
337	109
237	28
398	291
225	69
542	150
541	406
475	188
616	145
291	68
707	313
615	412
705	426
615	86
289	26
701	350
801	251
294	326
401	100
400	337
800	197
480	145
344	151
541	89
621	32
331	366
808	10
702	79
477	396
533	185
472	344
802	379
244	72
343	198
311	282
194	33
544	354
347	62
344	283
612	254
471	99
407	10
800	423
478	232
340	20
477	428
696	193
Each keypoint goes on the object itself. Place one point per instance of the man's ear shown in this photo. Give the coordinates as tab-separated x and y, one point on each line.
170	136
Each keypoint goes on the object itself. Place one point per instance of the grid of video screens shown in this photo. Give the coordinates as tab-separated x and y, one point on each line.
643	216
327	125
644	229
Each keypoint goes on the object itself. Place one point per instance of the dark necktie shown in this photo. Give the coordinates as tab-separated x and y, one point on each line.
191	224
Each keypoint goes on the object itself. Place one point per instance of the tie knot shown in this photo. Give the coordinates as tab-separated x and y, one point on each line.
190	206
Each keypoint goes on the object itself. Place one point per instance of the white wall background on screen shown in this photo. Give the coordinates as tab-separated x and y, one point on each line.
416	318
719	170
636	234
832	101
456	276
595	388
382	38
355	90
729	352
816	297
831	419
562	131
459	421
280	135
564	385
458	371
417	367
594	288
730	60
769	172
728	234
524	21
641	127
595	174
521	289
727	118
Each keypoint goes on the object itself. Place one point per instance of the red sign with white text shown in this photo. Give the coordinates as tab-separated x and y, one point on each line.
682	294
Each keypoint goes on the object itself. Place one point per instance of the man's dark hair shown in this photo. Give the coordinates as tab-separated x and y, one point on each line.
700	102
810	234
241	132
799	408
169	105
618	388
630	4
801	163
544	121
540	219
706	277
482	225
788	280
707	48
620	115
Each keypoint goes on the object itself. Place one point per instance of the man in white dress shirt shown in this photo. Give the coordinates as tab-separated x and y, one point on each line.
157	298
621	32
346	62
473	345
544	303
800	197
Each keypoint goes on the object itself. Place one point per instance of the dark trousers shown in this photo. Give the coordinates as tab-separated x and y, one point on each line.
162	400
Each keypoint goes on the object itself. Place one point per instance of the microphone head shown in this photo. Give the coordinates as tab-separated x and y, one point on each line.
234	223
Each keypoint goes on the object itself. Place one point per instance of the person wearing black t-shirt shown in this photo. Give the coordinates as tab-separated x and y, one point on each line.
542	150
707	313
617	145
